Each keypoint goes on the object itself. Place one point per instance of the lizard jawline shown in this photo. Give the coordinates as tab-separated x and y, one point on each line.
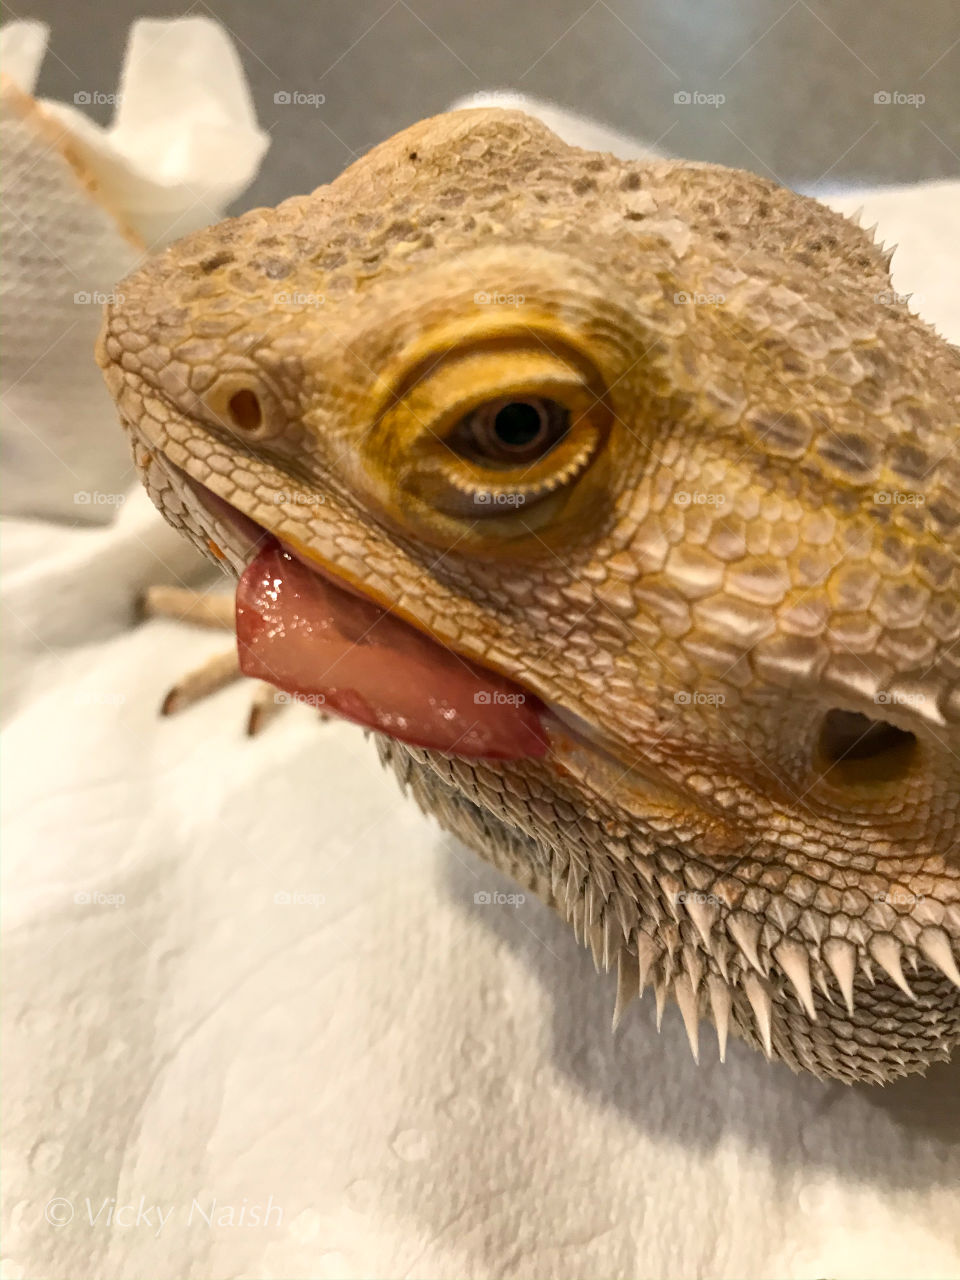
576	748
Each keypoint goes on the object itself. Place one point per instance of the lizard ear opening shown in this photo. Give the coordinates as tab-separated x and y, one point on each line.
854	749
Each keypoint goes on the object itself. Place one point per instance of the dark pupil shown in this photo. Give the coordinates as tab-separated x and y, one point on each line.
517	424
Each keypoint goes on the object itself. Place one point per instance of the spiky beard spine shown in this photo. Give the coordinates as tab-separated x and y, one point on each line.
818	1004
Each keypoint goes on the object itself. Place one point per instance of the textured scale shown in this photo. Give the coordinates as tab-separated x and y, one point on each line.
770	533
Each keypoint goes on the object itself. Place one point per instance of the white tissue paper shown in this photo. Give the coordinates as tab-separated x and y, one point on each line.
81	206
262	1020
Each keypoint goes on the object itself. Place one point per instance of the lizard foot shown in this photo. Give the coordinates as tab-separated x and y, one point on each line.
205	609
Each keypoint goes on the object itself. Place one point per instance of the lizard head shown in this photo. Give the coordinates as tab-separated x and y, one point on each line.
654	446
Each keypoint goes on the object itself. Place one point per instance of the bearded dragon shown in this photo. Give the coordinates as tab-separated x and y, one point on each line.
623	506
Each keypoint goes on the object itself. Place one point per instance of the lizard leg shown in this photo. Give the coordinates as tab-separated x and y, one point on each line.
213	610
203	608
264	705
217	672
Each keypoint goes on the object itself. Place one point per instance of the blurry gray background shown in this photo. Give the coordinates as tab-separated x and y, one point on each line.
799	79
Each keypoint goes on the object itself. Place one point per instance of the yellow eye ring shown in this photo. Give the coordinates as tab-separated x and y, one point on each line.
440	440
432	464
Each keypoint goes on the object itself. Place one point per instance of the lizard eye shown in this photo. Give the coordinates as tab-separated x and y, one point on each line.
499	433
510	430
512	453
497	438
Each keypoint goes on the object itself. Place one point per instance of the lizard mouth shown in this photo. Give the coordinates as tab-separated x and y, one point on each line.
318	637
314	633
300	629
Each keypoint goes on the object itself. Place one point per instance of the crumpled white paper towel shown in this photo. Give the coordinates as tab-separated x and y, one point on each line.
258	1024
81	205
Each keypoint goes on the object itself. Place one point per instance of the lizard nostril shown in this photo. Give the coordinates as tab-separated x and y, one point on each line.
242	405
855	749
245	411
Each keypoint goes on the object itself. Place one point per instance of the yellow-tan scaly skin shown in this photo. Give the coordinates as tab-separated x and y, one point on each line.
753	523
